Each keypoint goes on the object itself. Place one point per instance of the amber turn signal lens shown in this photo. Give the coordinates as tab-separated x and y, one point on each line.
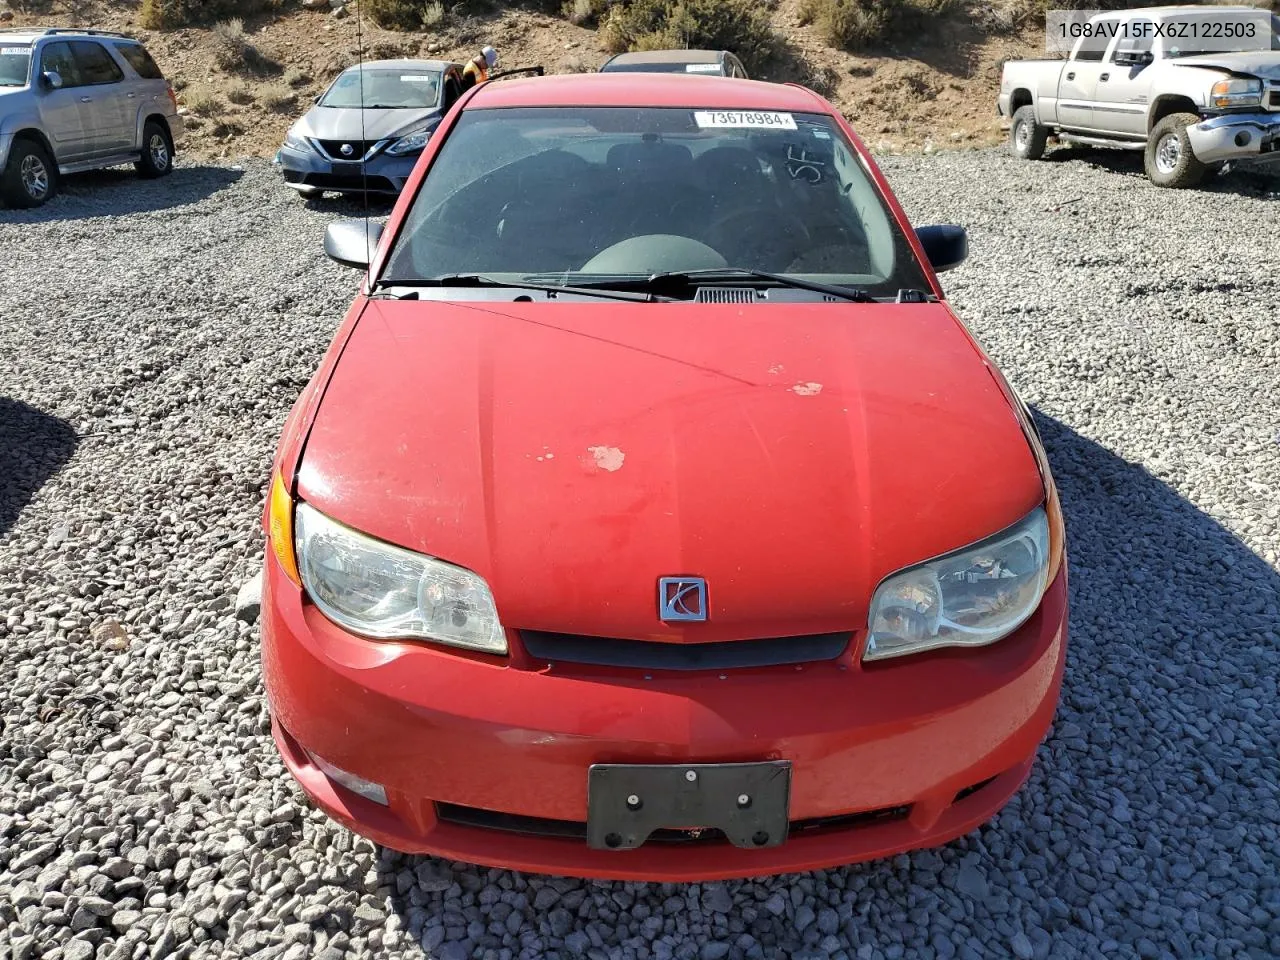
280	532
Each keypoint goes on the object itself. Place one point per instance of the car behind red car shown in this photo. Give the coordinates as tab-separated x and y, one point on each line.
651	514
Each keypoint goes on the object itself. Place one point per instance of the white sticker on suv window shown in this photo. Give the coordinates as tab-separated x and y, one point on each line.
702	68
15	51
737	119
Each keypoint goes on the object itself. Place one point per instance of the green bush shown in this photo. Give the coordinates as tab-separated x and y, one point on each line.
739	25
168	14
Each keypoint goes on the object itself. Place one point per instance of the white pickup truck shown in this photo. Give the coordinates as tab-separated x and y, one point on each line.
1131	82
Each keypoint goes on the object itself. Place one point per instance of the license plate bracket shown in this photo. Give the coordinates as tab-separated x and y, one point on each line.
749	802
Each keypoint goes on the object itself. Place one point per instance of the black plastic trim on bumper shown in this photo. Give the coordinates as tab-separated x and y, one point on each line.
651	655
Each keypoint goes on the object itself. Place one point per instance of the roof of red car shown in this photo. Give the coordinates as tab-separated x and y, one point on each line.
646	90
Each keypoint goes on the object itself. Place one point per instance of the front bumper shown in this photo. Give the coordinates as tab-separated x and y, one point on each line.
380	174
486	761
1236	136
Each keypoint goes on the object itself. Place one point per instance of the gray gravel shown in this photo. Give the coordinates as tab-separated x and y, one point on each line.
153	338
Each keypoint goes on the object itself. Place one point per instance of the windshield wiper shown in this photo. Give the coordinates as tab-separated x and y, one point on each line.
478	280
684	279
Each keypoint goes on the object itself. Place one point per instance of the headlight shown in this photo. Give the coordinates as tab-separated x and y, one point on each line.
410	144
968	598
385	592
1237	93
295	142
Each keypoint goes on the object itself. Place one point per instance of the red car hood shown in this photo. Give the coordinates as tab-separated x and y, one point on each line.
572	454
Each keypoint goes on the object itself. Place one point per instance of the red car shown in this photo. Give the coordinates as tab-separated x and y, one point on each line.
652	516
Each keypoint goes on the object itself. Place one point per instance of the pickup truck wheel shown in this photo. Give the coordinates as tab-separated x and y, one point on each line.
30	178
1026	136
1168	158
157	151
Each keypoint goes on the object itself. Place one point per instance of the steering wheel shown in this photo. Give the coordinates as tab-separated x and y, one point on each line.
760	238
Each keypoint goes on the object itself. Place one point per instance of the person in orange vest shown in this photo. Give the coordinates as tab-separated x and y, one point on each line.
477	68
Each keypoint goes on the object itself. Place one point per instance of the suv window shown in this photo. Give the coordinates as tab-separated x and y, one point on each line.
96	65
137	57
57	58
14	64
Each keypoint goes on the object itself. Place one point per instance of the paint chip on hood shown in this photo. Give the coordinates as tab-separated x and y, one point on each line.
807	389
607	458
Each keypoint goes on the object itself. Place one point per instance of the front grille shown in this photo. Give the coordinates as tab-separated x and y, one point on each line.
650	655
573	830
334	148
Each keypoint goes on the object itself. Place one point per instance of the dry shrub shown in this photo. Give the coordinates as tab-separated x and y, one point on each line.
169	14
296	77
238	92
432	15
404	14
202	101
738	25
862	24
233	51
847	24
278	97
584	12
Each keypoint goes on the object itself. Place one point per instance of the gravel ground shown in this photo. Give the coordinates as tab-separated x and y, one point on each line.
153	338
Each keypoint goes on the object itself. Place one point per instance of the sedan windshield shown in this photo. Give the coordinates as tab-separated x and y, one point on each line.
591	193
15	61
659	66
411	88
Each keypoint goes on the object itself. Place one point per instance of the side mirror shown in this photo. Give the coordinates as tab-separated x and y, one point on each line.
1138	58
352	242
946	245
52	79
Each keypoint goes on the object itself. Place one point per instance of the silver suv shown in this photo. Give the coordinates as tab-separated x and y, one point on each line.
73	100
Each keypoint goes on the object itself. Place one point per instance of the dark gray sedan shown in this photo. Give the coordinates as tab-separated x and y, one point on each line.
365	132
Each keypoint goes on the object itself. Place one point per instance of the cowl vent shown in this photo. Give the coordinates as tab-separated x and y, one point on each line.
725	295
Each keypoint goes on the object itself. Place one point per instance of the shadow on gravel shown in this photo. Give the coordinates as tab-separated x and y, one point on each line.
1145	821
1247	182
33	447
119	191
351	206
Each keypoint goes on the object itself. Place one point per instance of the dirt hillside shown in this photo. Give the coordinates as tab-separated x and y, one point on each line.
934	89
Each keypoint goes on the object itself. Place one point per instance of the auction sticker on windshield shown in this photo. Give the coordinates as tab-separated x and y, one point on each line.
719	119
15	51
416	78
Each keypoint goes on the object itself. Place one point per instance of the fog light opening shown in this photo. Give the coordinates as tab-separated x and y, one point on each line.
1244	138
357	785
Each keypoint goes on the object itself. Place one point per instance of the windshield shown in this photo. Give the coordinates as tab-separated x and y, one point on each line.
15	61
1222	35
409	88
652	67
595	192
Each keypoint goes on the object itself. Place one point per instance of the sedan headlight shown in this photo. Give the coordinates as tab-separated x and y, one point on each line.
410	144
968	598
295	142
1237	93
379	590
